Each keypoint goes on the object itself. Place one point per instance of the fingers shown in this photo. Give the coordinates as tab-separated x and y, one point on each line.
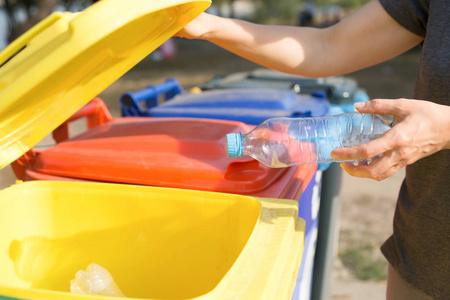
367	171
378	169
382	107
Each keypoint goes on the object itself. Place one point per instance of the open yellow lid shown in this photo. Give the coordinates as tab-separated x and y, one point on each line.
69	58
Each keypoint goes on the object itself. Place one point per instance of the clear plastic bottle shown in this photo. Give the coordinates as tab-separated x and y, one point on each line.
96	280
283	142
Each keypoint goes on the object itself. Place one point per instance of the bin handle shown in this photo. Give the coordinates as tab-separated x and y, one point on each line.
130	102
21	42
96	113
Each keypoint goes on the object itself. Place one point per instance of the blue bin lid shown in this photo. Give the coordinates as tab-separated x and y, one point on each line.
251	106
339	89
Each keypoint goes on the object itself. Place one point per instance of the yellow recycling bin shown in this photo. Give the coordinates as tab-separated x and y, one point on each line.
157	243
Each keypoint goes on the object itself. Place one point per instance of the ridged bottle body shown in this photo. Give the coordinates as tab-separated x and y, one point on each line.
282	142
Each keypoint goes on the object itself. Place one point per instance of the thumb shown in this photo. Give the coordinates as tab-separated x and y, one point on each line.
380	107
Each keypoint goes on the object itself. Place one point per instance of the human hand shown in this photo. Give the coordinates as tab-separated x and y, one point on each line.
197	28
422	129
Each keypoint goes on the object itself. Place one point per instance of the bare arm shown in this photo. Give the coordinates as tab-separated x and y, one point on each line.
364	38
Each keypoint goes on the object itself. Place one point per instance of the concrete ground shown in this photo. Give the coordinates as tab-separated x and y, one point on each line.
366	216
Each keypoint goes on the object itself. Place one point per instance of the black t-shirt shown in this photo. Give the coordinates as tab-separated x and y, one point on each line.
419	249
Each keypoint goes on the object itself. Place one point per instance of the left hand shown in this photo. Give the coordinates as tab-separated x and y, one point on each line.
199	27
422	128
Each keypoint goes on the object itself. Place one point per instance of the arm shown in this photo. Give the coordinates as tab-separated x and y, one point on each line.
364	38
422	129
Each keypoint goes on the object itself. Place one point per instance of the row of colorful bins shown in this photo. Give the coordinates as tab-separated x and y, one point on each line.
252	97
177	152
159	242
182	153
251	106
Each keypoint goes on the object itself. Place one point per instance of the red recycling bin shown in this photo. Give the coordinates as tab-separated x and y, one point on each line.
183	153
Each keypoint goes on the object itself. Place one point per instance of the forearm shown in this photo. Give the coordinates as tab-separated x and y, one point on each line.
358	41
281	48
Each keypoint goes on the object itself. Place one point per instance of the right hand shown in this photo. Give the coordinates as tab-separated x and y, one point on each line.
197	28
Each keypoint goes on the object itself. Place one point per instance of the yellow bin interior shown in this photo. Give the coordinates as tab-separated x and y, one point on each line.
157	243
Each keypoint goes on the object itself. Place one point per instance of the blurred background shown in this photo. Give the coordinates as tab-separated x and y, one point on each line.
17	16
367	206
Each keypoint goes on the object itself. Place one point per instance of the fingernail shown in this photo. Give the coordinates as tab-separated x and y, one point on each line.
360	105
335	156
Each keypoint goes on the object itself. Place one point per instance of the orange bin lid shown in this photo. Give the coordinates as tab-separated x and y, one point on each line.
171	152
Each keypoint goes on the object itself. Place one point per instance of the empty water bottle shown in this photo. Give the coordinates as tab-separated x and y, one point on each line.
283	142
96	280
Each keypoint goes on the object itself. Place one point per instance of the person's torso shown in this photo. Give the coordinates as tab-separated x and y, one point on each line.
422	219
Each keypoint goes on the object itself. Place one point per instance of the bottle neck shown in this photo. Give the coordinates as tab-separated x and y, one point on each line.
245	147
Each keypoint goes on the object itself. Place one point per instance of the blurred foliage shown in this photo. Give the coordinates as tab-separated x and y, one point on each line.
276	9
348	4
266	10
361	261
30	4
225	2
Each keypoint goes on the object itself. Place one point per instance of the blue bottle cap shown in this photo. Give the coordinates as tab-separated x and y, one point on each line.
234	145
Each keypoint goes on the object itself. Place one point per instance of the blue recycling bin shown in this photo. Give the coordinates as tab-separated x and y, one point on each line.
251	106
339	90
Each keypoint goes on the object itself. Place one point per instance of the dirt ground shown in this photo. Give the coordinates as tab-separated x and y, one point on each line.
367	206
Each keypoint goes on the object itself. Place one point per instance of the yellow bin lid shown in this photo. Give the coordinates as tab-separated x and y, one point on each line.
67	59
